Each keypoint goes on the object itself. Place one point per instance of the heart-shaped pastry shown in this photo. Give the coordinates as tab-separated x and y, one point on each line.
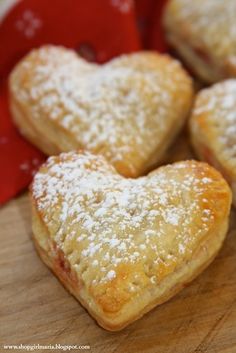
128	110
213	128
203	32
122	246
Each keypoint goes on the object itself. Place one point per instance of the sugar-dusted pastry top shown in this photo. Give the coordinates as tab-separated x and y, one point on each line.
126	109
122	236
213	128
214	118
209	27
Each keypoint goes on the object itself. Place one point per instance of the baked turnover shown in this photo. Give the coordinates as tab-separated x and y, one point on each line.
122	246
213	128
203	32
128	110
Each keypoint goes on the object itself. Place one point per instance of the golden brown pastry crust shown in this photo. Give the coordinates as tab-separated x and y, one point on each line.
203	33
128	110
122	246
213	128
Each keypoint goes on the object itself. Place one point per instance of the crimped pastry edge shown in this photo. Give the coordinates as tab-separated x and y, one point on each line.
202	257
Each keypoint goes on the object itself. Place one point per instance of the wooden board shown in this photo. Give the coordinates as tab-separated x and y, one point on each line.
36	309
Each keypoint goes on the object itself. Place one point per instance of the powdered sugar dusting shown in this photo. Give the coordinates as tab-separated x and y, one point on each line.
209	25
219	104
111	274
112	109
101	218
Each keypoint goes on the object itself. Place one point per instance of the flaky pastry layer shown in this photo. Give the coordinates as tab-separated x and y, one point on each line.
213	128
203	33
122	246
128	110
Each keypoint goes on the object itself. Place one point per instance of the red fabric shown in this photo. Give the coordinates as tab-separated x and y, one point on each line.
149	17
18	159
97	29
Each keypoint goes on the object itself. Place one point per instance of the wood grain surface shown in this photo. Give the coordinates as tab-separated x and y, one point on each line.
36	309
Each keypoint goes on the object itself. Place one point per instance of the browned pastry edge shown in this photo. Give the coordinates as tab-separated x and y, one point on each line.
203	69
60	139
21	119
31	133
197	58
205	153
112	322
